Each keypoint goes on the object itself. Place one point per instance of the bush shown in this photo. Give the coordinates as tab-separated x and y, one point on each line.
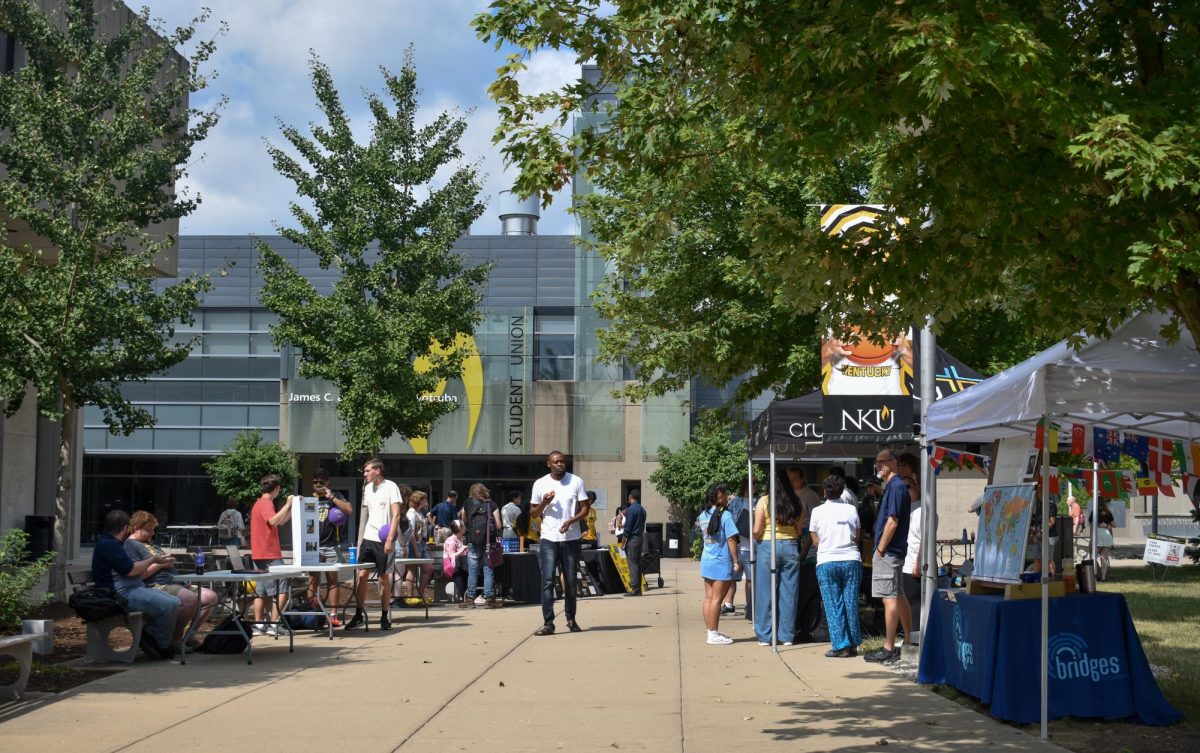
18	577
237	471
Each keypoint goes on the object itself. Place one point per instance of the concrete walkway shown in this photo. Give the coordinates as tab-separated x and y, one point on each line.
639	678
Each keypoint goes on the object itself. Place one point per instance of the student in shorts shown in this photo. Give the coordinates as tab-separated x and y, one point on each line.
331	537
265	551
140	546
381	500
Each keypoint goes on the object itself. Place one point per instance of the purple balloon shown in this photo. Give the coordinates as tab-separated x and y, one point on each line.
384	530
336	517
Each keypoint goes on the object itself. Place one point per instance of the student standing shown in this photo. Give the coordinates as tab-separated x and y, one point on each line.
265	551
635	534
719	561
561	500
835	532
381	507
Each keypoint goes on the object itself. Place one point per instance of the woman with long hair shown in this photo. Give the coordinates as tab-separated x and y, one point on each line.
476	515
719	560
786	582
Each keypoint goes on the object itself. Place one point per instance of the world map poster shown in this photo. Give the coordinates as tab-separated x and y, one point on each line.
1003	532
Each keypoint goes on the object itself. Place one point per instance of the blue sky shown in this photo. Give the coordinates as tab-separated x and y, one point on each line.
262	67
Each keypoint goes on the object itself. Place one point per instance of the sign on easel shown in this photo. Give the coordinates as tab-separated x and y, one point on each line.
622	565
1164	550
306	531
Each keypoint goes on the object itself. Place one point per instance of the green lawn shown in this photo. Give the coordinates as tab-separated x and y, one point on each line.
1167	616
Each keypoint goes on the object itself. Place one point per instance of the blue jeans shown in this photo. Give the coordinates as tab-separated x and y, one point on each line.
786	584
161	610
550	555
476	557
839	590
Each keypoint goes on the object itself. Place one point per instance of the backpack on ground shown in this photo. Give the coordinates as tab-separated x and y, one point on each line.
311	619
93	604
220	642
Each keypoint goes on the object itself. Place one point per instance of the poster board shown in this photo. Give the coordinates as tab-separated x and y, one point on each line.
1003	532
306	531
622	565
1164	550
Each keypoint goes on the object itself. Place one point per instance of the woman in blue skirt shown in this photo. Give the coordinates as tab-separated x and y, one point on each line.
719	560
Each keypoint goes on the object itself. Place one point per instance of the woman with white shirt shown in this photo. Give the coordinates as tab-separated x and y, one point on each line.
835	531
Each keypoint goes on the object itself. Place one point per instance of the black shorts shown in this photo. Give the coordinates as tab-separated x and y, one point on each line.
372	551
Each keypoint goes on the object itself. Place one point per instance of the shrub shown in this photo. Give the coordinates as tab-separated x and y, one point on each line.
18	577
237	471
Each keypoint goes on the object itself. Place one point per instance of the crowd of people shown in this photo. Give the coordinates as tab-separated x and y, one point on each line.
833	532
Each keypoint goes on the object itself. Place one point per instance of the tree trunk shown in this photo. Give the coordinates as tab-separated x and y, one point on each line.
64	499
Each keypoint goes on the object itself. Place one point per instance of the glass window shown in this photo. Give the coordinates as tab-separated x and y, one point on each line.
226	345
215	439
226	320
264	415
224	415
263	368
225	368
554	347
142	439
260	320
189	368
177	415
262	345
178	392
176	439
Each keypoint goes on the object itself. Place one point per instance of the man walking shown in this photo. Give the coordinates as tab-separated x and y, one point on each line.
887	564
561	501
381	507
441	514
635	532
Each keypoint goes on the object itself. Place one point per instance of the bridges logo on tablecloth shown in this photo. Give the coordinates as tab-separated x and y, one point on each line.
1069	660
963	650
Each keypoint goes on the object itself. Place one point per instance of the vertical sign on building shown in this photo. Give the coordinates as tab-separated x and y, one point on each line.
518	380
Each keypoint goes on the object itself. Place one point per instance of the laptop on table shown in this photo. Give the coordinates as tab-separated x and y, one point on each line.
236	562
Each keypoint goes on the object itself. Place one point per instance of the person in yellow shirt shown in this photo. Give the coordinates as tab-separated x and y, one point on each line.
588	537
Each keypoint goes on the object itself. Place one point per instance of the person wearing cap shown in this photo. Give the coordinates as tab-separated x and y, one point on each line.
887	563
330	534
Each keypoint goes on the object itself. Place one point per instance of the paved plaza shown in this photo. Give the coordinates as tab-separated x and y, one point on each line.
640	678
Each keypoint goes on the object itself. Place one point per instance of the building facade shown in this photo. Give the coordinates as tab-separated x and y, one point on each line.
530	385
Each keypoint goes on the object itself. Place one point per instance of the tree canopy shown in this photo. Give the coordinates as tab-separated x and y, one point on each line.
709	457
237	472
1036	150
95	129
383	218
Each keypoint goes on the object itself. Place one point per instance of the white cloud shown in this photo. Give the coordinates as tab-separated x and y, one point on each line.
262	66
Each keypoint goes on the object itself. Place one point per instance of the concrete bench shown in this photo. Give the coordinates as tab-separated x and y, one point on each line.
19	647
98	647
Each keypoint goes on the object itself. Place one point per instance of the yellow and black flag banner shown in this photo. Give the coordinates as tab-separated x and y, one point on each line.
844	219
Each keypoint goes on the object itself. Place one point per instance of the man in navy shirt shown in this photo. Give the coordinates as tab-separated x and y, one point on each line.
887	564
441	515
112	568
635	532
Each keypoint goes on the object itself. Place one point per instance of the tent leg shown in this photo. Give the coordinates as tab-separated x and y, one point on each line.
1095	505
1045	555
773	585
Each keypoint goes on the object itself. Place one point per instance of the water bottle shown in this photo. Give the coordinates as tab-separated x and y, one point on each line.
964	538
199	560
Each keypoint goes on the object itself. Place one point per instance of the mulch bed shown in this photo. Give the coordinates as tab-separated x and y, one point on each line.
70	642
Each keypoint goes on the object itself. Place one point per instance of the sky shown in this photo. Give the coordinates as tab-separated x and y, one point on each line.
261	66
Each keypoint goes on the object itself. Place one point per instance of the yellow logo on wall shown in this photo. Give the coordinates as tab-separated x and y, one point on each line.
472	379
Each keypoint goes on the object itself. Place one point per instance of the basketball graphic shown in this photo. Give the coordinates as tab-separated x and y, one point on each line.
867	353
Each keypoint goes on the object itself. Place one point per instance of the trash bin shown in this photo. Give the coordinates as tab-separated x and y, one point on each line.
675	544
40	529
654	539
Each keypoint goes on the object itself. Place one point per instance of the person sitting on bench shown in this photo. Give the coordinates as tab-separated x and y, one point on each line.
112	568
140	546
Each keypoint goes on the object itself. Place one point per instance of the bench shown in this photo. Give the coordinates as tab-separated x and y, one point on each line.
20	648
98	647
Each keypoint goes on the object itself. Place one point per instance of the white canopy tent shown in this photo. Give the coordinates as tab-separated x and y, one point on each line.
1135	380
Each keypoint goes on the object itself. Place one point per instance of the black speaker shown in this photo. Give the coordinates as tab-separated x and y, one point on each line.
654	539
40	529
676	545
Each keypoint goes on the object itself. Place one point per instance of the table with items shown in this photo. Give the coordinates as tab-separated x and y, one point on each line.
990	648
230	590
520	577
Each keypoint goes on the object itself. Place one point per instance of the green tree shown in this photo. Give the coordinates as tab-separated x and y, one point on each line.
19	578
709	457
237	471
1054	146
94	133
380	221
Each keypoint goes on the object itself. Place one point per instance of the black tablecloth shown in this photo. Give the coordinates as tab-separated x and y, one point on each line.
520	577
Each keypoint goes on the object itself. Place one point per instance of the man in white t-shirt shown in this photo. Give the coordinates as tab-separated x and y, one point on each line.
561	500
380	506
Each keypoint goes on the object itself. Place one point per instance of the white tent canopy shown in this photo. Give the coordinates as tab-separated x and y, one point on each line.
1134	380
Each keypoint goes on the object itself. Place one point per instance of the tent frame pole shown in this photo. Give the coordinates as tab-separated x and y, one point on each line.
773	583
1095	506
929	516
748	577
1045	567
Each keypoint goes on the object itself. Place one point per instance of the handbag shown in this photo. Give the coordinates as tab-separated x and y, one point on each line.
495	552
448	566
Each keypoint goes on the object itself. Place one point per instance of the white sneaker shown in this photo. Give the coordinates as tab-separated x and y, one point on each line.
260	629
480	601
279	631
763	643
719	640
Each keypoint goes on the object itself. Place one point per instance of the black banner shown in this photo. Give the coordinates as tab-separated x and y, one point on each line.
867	418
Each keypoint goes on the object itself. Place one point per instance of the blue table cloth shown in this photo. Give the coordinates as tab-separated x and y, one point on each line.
989	648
